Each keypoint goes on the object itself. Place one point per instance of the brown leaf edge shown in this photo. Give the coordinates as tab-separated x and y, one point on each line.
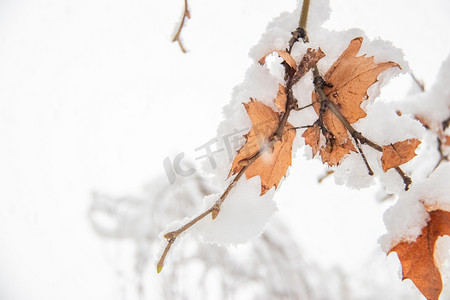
284	55
417	258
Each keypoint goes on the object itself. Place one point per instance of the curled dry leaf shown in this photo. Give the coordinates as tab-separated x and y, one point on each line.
417	258
334	153
272	166
284	55
349	78
399	153
308	61
312	138
446	141
280	101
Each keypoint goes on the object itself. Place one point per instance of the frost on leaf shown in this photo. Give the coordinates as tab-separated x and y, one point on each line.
284	55
348	80
399	153
272	166
417	258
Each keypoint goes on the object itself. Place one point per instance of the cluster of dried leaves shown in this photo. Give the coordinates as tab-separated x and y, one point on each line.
417	258
337	100
331	136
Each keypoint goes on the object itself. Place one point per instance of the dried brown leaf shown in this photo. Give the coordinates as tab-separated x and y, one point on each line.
334	154
308	61
284	55
280	101
350	77
446	141
417	258
399	153
312	138
272	166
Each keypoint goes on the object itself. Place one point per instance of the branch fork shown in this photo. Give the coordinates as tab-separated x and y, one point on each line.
177	36
357	136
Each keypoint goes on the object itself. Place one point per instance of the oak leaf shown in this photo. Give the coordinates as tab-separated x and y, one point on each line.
280	101
446	141
333	154
312	138
417	258
399	153
271	166
308	61
284	55
348	78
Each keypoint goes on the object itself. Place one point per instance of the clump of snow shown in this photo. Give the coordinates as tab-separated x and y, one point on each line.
383	126
353	172
258	84
434	104
405	220
435	191
242	216
277	35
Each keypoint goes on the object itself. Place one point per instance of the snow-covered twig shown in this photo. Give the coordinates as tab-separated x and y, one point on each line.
291	104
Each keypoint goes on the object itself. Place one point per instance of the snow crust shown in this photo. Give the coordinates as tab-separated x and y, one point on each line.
405	220
242	216
434	104
431	189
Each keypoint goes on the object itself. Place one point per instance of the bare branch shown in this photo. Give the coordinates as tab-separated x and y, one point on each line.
186	14
419	83
323	177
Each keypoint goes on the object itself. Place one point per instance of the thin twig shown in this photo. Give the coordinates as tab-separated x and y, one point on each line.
419	83
358	145
323	177
186	14
303	107
446	123
304	14
442	157
160	264
302	127
300	32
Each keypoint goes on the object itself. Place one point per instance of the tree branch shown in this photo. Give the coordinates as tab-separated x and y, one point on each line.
245	163
176	38
419	83
304	14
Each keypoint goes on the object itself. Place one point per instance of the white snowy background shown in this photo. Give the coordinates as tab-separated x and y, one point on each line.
94	97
